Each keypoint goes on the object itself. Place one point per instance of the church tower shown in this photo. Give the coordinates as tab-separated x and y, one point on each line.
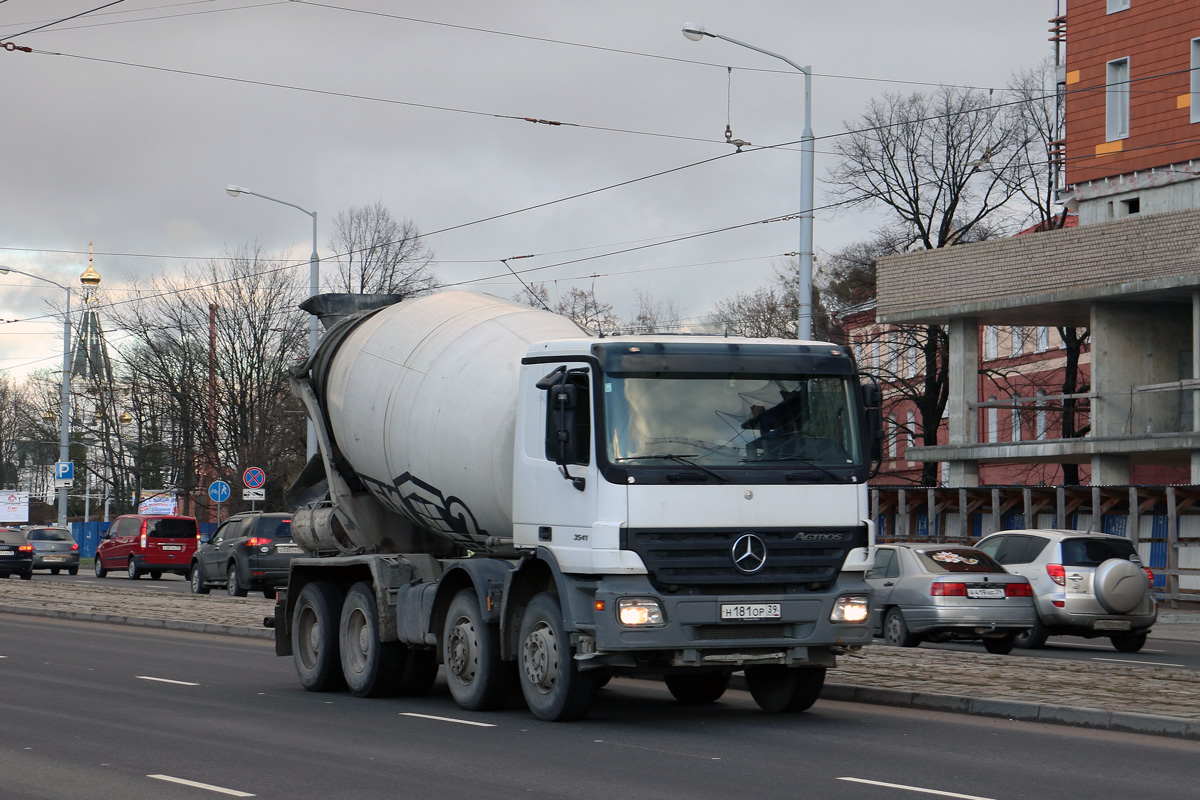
90	362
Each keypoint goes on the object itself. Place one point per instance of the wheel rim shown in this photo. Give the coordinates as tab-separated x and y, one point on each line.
463	651
98	567
195	580
892	635
540	658
233	581
309	638
357	649
132	570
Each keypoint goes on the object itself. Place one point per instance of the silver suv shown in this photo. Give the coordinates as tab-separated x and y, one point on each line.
1084	584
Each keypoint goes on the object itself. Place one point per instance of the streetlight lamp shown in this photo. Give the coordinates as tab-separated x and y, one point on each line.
804	313
314	274
64	444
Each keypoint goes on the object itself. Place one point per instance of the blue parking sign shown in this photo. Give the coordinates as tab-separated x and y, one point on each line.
64	470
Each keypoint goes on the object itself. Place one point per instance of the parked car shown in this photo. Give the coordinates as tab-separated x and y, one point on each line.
147	543
941	593
1085	584
249	552
16	554
54	549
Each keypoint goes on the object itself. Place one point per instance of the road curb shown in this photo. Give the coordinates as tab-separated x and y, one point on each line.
144	622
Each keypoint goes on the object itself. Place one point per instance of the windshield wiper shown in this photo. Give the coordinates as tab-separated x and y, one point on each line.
791	476
678	459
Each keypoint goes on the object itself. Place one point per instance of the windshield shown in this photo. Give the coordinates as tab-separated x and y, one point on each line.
733	420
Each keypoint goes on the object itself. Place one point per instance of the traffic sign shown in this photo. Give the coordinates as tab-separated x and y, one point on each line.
64	474
218	491
254	478
254	494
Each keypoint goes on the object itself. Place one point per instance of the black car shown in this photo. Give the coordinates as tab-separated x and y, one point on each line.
249	552
16	554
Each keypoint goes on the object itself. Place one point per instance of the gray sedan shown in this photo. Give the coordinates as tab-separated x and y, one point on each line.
942	593
53	549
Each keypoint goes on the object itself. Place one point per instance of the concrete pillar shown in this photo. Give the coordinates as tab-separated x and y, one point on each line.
1110	470
963	420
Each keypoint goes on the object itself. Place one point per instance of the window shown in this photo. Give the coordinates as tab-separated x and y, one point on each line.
895	435
1043	339
1117	5
993	422
1041	414
1131	206
912	430
990	348
1116	114
1018	340
1195	87
1016	418
913	352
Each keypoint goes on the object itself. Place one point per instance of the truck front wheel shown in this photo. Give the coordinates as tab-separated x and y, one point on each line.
697	688
478	679
371	668
554	688
315	637
778	688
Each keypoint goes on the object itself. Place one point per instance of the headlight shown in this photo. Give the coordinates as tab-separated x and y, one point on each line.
851	608
635	612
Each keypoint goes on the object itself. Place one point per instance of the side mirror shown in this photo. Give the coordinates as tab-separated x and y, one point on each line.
564	399
205	538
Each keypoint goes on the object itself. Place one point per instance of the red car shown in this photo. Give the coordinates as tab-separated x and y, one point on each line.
148	543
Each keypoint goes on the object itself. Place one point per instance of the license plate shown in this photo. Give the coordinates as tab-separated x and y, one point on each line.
750	611
172	547
53	558
985	593
6	552
288	548
1111	625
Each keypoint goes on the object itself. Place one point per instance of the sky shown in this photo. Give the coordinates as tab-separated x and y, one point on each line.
124	126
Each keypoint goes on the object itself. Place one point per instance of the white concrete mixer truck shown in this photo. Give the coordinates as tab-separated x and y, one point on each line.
506	496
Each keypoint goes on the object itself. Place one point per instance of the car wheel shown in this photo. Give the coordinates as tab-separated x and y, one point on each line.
698	688
155	575
72	570
1032	638
234	586
27	575
196	579
1001	646
478	679
315	637
269	594
100	570
55	570
132	570
895	630
370	667
555	689
1128	642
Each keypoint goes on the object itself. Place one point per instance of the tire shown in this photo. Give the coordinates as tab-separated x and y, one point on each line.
778	688
270	594
478	680
555	689
233	585
371	668
27	575
697	688
895	630
131	569
196	579
1120	585
54	570
155	575
1034	637
1128	642
100	570
809	683
1001	646
72	570
315	637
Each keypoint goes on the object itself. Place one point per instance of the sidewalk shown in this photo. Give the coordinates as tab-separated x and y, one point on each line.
1142	699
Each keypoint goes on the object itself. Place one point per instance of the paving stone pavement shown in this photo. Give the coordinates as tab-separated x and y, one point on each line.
1139	698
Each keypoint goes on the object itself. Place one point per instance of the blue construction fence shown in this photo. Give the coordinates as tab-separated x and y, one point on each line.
87	534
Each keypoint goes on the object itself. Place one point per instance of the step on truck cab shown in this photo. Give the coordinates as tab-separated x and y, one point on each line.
500	493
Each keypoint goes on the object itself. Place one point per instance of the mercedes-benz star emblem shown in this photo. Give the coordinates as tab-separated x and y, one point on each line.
749	553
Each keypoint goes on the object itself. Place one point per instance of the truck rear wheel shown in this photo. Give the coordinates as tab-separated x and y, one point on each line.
478	679
778	688
370	667
697	688
315	637
554	688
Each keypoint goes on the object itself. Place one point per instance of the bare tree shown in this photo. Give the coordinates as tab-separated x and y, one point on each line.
378	254
14	409
580	305
653	316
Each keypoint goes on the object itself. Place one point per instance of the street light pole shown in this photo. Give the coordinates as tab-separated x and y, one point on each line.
695	33
314	275
64	443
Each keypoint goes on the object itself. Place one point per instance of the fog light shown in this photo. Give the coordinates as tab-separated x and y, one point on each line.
635	612
852	608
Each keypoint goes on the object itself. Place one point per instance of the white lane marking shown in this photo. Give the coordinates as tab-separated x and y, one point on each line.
448	719
165	680
1131	661
917	789
194	784
1073	645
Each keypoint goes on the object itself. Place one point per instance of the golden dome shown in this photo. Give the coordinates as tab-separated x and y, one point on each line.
90	277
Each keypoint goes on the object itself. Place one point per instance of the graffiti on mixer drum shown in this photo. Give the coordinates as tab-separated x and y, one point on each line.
425	505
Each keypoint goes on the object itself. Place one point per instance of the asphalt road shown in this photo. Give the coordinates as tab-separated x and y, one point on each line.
104	711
